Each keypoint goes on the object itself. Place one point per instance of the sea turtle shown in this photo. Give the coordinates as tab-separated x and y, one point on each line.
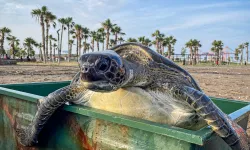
132	79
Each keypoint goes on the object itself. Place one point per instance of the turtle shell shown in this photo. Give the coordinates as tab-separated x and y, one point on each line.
140	53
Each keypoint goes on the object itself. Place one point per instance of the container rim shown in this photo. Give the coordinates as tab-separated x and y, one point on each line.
196	137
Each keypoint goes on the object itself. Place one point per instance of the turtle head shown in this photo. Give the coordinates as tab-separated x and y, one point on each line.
102	71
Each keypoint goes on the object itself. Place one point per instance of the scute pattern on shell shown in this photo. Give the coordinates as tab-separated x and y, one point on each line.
133	54
144	55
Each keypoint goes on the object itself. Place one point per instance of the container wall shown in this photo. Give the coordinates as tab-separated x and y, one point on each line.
73	131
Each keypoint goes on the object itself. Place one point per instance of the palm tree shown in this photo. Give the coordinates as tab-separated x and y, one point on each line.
189	45
51	38
13	42
131	40
196	46
93	35
160	40
141	39
169	42
54	51
241	48
183	52
147	42
101	31
3	32
28	44
236	53
71	42
63	24
39	14
107	25
112	42
121	40
88	47
217	48
98	38
49	18
86	33
78	32
23	53
70	24
40	51
144	41
246	45
116	30
156	34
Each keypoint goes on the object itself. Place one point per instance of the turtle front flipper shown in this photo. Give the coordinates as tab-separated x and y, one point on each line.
227	129
46	108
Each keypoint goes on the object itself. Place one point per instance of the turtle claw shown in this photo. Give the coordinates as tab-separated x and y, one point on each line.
23	138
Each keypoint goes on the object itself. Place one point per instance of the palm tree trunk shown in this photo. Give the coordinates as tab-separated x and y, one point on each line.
103	46
241	57
69	52
50	47
43	39
107	39
59	51
2	44
157	46
77	45
12	48
169	51
80	46
191	55
97	45
195	55
162	50
116	36
40	53
93	44
58	44
47	39
218	56
54	54
84	49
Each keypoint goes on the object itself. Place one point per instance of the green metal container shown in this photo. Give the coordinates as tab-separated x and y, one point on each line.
79	127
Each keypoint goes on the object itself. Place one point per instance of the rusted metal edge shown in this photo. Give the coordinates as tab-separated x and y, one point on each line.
195	137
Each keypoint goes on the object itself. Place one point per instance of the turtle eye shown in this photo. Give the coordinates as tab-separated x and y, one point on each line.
102	64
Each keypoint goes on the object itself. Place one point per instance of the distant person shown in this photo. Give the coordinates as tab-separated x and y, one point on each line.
217	62
28	58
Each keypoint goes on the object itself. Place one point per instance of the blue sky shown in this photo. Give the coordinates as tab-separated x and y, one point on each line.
204	20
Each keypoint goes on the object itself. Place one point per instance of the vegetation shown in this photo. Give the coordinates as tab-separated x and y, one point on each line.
3	31
107	25
217	47
40	14
110	34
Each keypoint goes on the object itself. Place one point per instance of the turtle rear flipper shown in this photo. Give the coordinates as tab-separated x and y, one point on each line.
227	129
23	137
